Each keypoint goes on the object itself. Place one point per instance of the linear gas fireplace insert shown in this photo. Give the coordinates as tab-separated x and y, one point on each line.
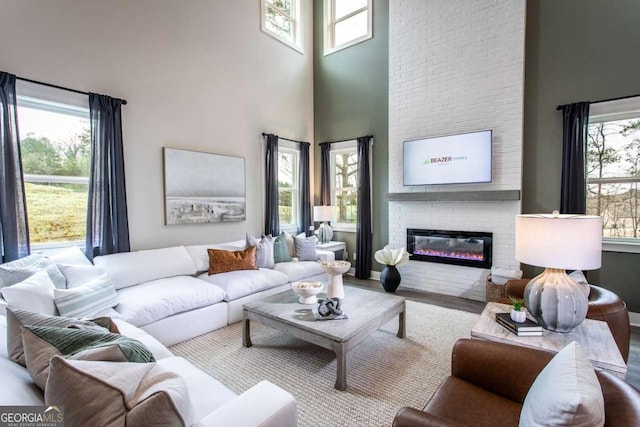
466	248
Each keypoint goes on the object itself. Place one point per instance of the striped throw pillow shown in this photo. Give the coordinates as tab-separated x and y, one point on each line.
17	271
86	300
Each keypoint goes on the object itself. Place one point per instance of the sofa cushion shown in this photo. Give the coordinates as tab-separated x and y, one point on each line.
221	261
299	270
281	249
20	269
86	300
17	318
264	250
565	393
132	268
291	242
117	393
41	343
35	293
306	248
200	255
70	256
155	300
206	393
78	275
237	284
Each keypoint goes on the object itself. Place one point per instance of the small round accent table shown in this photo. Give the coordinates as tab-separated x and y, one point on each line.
335	270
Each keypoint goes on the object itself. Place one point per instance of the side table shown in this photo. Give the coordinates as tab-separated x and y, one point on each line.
338	248
594	336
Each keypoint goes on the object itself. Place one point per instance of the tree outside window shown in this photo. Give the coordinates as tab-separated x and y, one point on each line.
344	191
288	163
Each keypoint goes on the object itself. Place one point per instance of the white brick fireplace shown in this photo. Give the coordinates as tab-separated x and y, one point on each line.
456	66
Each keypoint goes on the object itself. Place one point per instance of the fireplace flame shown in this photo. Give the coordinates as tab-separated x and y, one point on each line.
450	254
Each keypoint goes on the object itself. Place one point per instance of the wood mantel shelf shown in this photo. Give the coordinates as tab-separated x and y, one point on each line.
455	196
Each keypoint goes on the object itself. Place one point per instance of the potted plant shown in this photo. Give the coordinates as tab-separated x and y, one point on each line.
392	259
517	313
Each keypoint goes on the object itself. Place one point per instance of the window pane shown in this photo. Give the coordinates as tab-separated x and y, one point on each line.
285	5
345	7
613	149
278	23
285	169
346	202
351	28
346	165
619	206
56	153
285	206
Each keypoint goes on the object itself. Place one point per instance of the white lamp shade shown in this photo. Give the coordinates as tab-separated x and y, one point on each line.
569	242
323	213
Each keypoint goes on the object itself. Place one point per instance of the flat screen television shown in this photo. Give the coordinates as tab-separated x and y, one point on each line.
453	159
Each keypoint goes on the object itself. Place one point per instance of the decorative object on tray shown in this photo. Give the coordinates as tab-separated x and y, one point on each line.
324	214
558	243
307	290
528	328
335	270
392	259
517	314
329	309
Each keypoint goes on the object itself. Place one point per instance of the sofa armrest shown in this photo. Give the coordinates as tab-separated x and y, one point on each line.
326	255
411	417
263	405
515	287
504	369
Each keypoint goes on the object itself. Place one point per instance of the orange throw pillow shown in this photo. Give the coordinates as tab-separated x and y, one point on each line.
221	261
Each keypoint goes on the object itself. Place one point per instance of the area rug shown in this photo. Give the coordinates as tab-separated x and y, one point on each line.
384	372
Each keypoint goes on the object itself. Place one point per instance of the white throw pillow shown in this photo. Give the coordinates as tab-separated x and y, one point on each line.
33	294
16	271
579	277
88	300
69	256
78	275
565	393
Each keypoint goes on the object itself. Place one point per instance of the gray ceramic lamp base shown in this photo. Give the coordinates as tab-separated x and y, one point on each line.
556	300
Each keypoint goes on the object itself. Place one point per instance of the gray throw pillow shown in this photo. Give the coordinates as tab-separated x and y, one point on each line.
16	271
306	248
264	250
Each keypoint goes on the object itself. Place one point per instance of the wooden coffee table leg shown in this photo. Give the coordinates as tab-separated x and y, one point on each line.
402	325
246	332
341	374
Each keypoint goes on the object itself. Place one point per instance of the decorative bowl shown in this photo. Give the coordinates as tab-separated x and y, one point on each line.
307	290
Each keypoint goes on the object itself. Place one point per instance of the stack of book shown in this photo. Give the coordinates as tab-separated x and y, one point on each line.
528	328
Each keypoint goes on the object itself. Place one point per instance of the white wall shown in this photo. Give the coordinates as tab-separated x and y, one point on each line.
456	66
197	75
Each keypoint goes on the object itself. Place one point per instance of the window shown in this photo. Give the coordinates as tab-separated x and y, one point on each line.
344	185
346	22
288	194
55	146
281	20
613	168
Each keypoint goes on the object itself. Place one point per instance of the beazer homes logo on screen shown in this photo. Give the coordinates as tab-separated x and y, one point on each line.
443	160
31	416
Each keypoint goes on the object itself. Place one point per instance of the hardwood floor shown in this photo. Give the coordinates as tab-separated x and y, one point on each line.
633	365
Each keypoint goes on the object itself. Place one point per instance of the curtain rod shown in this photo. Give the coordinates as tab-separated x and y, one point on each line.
559	107
286	139
124	101
349	139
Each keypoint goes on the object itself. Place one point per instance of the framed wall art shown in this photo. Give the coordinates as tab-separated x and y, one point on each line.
203	187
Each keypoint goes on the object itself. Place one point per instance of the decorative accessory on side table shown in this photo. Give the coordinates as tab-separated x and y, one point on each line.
517	314
307	290
329	309
392	259
324	214
558	243
335	270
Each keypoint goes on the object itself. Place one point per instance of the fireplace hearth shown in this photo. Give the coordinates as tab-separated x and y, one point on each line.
465	248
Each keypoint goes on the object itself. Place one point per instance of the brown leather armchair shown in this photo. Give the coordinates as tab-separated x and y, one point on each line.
603	305
489	382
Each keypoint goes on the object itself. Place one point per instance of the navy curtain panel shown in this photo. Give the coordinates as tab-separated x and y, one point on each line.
364	237
325	174
305	190
14	228
575	118
271	215
107	222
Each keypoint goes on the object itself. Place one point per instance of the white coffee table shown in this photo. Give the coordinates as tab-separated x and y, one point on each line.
594	337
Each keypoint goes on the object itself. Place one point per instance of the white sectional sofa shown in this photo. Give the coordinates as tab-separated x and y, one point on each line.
166	296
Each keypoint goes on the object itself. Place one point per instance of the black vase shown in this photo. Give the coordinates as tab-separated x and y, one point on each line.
390	278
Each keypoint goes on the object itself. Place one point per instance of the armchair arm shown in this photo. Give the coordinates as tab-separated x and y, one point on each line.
411	417
263	405
504	369
515	287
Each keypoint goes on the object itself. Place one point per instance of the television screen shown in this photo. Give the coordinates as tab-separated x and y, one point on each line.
454	159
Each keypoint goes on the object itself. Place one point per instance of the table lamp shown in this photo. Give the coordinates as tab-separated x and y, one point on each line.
558	243
324	214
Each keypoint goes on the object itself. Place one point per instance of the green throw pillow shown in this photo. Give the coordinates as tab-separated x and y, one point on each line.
281	249
41	343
